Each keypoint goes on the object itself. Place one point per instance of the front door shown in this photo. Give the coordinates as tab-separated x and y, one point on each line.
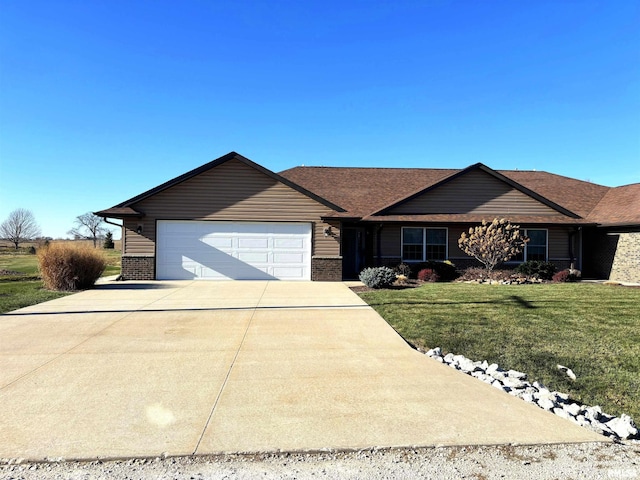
353	251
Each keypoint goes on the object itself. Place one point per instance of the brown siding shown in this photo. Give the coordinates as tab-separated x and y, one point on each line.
232	191
475	192
557	238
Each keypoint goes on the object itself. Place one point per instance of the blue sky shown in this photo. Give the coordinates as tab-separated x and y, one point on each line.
101	100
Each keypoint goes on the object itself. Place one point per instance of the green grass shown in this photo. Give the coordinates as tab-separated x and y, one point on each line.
22	293
592	329
19	262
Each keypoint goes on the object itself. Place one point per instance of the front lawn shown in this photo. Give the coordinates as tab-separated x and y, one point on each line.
592	329
22	293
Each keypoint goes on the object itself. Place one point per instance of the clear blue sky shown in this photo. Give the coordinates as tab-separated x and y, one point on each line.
101	100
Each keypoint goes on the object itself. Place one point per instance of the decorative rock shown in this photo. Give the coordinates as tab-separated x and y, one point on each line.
545	403
514	383
593	413
623	426
567	371
561	412
516	374
573	409
527	397
435	352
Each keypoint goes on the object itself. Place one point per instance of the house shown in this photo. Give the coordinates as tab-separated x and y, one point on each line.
234	219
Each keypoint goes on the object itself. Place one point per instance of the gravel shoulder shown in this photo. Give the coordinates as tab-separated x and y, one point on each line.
567	461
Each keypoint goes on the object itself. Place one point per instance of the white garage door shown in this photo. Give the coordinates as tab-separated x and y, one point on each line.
233	250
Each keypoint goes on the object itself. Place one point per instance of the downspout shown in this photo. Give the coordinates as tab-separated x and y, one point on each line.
121	225
378	245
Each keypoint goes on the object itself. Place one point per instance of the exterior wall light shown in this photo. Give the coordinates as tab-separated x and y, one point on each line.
139	230
328	232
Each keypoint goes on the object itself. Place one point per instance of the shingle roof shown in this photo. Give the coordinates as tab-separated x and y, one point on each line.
363	191
620	206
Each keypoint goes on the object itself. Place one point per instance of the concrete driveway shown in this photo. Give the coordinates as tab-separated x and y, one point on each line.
141	369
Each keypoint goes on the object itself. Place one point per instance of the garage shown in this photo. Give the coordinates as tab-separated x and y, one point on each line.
211	250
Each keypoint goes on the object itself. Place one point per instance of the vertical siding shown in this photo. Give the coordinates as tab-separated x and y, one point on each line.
232	191
474	192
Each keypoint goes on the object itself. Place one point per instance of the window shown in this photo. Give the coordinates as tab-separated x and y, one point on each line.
535	248
421	244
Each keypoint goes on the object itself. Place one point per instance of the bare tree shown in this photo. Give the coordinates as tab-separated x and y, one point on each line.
89	227
20	226
492	243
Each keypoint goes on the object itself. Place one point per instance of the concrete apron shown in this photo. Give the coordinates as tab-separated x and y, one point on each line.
179	368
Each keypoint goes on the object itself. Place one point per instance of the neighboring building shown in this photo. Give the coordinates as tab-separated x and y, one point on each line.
232	218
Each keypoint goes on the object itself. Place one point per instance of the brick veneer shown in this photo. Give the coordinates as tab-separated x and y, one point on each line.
326	269
626	263
138	268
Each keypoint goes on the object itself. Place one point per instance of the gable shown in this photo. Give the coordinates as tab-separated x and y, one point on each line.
232	190
474	192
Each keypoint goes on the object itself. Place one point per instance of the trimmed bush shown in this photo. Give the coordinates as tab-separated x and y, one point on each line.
428	275
567	275
377	277
446	270
68	267
537	268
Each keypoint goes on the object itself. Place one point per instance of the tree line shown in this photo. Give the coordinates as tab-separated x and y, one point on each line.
21	226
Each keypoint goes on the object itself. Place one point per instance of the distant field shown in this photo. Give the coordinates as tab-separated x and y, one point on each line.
26	263
5	245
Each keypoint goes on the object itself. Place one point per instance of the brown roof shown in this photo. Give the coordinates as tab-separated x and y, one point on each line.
364	191
575	195
620	206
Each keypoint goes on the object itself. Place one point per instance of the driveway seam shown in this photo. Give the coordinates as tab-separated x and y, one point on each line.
77	345
226	378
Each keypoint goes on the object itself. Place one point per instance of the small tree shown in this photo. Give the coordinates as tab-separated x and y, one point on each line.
108	241
19	227
492	243
89	227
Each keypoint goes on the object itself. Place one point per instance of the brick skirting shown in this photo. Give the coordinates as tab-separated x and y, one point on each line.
138	268
326	269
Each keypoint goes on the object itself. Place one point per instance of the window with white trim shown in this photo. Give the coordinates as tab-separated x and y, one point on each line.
422	244
536	248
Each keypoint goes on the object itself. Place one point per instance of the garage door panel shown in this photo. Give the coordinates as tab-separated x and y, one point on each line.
261	242
233	250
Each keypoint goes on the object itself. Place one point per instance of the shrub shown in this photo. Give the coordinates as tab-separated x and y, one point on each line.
69	267
446	270
428	275
567	275
31	250
377	277
404	269
537	268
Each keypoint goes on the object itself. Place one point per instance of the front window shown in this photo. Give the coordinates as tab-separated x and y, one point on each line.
535	248
421	244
